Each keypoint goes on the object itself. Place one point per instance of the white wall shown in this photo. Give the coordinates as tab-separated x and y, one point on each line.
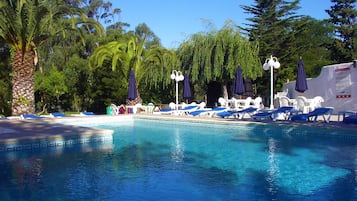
329	84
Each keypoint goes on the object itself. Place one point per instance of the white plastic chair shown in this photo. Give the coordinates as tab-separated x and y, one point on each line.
115	109
202	105
172	105
256	102
222	101
302	104
150	108
242	103
285	101
316	102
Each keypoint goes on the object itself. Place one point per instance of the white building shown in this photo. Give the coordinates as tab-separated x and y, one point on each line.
337	84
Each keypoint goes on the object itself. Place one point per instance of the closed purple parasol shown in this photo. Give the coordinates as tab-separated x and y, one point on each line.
238	82
132	91
301	84
186	88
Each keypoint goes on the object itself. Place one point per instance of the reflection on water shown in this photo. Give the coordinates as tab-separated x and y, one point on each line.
177	154
273	170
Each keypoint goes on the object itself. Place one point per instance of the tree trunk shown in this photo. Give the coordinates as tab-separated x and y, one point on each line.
224	91
23	92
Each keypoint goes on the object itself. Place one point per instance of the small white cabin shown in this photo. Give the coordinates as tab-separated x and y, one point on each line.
337	84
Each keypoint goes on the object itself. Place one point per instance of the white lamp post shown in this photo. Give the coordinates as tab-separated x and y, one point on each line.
177	76
271	63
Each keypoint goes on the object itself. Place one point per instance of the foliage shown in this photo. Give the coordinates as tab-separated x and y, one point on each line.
343	18
26	25
310	46
99	10
50	84
138	51
79	82
4	97
280	32
270	25
65	39
107	88
214	56
5	81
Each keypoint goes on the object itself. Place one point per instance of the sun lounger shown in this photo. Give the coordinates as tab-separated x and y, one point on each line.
30	116
238	113
170	110
87	114
280	113
57	115
208	112
186	110
350	119
346	113
166	111
324	112
348	116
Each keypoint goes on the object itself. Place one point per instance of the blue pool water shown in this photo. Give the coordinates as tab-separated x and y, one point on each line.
165	160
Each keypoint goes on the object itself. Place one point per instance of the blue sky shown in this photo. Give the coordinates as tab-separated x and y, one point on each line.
173	21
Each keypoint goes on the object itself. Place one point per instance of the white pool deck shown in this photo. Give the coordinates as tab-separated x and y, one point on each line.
16	131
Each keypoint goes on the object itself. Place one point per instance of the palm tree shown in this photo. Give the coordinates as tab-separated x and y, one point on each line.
26	25
151	63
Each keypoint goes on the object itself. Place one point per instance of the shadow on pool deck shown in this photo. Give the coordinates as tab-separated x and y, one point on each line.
15	130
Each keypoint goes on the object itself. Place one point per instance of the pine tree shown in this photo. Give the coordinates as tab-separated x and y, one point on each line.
343	17
272	26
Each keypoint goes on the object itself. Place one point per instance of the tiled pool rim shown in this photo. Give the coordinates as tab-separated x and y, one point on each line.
24	135
86	136
38	144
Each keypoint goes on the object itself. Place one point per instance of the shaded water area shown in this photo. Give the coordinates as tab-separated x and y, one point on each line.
176	160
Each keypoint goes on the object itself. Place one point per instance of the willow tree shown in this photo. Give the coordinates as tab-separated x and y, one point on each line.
214	56
25	25
150	61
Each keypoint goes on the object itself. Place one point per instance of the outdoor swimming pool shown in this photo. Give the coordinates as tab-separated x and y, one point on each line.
177	160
